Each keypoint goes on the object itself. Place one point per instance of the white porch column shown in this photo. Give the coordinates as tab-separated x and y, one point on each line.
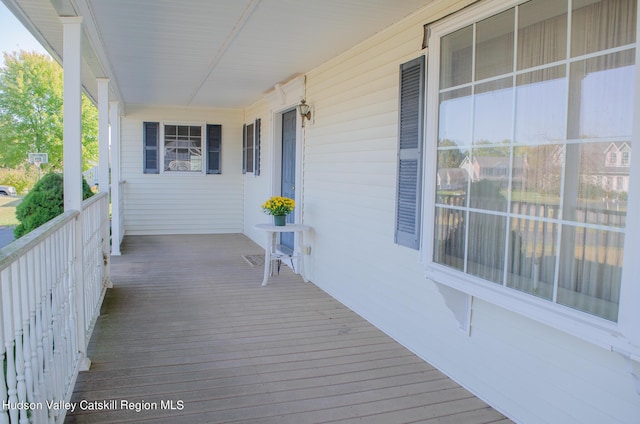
72	63
116	196
103	164
103	134
72	150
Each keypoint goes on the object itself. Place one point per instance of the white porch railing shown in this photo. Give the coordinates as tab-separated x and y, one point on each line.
48	312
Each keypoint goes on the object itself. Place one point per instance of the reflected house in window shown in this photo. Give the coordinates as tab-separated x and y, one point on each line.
452	179
605	165
613	171
494	168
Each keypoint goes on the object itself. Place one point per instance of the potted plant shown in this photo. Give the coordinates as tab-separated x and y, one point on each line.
279	207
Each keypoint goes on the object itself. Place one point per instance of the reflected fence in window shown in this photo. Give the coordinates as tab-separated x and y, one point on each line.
531	249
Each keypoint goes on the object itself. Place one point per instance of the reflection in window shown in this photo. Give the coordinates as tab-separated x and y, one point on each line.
455	52
183	148
541	98
494	45
600	101
493	102
525	196
455	110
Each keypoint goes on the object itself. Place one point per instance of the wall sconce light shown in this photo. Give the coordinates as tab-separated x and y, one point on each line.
305	110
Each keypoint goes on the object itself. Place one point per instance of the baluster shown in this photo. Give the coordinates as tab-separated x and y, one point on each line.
49	372
64	311
31	360
35	308
69	309
71	320
17	331
7	310
61	295
26	285
4	413
87	264
56	309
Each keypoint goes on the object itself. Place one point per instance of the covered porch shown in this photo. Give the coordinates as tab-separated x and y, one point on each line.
187	334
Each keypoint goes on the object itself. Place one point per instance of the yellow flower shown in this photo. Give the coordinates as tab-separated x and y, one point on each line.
278	205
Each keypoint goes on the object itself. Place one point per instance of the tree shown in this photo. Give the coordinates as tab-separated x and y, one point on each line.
449	158
31	112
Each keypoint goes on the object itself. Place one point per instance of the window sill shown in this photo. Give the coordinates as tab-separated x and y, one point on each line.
579	324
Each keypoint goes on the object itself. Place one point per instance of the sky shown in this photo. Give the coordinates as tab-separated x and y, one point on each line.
14	36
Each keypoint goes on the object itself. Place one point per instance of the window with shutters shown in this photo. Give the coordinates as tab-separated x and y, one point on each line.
181	148
528	100
410	141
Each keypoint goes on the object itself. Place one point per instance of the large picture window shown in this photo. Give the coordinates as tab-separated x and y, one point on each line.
533	104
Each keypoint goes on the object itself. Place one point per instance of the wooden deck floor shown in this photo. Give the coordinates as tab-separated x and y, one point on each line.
187	325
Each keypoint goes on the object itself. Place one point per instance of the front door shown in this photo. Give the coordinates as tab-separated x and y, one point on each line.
288	185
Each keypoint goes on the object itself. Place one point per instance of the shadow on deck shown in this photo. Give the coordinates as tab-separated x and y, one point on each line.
188	335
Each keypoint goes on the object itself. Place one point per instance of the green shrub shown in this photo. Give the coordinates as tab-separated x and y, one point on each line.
43	203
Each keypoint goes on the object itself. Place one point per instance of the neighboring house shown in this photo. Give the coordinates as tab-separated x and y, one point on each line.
609	169
537	314
452	179
495	168
605	165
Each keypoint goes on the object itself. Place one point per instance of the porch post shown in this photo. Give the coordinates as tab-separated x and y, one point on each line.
72	151
103	166
116	195
72	110
103	134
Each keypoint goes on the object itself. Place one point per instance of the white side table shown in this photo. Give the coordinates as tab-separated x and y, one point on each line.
270	248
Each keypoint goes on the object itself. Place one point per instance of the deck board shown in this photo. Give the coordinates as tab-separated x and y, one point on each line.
187	320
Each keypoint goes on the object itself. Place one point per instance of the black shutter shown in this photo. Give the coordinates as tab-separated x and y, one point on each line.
244	149
256	140
151	153
249	148
410	141
214	147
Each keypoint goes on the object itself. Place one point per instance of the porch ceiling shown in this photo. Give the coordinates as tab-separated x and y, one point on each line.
222	53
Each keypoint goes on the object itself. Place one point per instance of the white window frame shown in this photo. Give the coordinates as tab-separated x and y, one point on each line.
622	336
203	146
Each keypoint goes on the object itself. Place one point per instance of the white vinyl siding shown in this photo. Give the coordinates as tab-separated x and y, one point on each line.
182	203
